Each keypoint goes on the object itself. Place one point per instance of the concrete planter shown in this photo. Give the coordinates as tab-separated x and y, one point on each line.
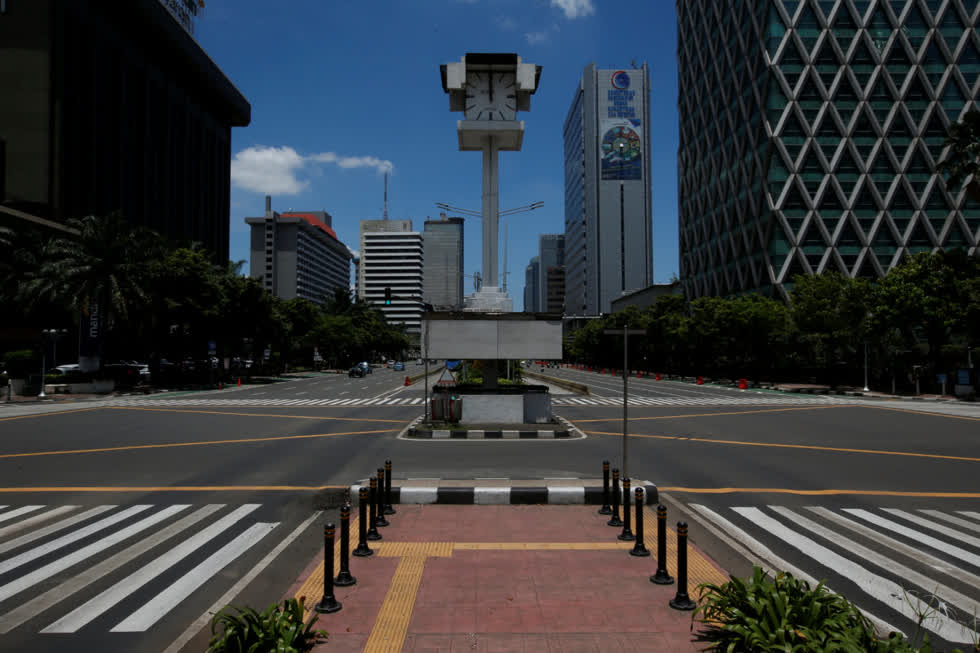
96	387
17	386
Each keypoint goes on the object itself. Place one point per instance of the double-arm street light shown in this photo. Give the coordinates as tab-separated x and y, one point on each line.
470	213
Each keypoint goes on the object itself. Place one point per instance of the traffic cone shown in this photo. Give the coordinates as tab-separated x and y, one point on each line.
659	377
742	384
239	382
221	386
700	380
408	381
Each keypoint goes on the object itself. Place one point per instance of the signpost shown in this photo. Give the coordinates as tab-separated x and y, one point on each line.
625	332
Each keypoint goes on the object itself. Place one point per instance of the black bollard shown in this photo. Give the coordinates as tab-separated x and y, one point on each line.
605	509
373	533
639	549
661	577
362	550
627	534
380	510
682	601
615	520
328	603
389	509
344	578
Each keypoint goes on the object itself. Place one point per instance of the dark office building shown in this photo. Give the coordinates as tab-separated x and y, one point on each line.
111	105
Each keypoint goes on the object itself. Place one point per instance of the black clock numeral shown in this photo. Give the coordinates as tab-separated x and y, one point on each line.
509	97
469	97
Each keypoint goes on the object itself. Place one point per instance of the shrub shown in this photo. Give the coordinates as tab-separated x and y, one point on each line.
22	362
278	629
785	614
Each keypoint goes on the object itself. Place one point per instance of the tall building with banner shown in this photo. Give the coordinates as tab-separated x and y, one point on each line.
608	216
442	284
809	137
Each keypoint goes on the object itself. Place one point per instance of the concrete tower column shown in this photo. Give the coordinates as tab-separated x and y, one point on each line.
490	209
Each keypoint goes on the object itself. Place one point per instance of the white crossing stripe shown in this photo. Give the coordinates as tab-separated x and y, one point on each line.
939	528
168	599
918	536
54	545
30	609
110	597
886	591
30	521
73	558
53	528
17	512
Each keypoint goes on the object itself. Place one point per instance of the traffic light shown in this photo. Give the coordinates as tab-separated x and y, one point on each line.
387	296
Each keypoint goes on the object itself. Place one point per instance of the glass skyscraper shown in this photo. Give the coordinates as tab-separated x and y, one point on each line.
809	136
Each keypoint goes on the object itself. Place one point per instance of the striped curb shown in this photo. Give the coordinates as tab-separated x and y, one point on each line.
476	434
505	495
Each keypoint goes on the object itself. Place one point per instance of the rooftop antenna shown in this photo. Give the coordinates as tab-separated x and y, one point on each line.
386	196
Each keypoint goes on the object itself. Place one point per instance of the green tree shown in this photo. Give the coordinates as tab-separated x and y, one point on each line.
963	160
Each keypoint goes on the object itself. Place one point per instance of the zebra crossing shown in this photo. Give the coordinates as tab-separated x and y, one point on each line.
896	564
557	400
64	567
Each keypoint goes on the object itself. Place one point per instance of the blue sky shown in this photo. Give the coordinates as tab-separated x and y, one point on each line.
342	90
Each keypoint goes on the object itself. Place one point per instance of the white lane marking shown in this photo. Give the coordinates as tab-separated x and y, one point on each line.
94	607
17	512
236	589
922	556
962	523
30	521
344	392
64	562
968	513
167	600
302	393
416	401
918	536
774	562
371	401
65	540
888	592
936	526
37	605
2	507
947	594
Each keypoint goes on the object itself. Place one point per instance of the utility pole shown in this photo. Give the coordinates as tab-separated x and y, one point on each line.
625	332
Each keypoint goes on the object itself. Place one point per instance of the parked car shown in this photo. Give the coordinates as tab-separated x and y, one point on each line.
64	369
366	367
356	371
399	366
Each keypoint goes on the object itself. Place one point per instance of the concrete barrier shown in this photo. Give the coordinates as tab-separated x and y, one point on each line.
561	383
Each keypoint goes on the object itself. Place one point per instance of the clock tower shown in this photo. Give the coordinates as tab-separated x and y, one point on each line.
489	89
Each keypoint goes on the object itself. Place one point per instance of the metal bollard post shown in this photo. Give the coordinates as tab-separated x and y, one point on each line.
328	603
627	534
389	509
615	520
639	549
380	511
373	533
362	550
605	509
344	578
661	577
682	601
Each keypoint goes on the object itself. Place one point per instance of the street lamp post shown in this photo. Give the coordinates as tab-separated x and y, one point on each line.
625	332
865	366
54	334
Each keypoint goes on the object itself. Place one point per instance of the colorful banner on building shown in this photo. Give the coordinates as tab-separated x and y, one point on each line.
620	129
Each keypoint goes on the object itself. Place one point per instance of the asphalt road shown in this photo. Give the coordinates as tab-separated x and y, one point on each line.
742	472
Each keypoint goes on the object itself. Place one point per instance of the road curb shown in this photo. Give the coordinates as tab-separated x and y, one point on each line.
513	495
477	434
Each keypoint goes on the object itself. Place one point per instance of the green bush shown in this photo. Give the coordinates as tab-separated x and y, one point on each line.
21	362
276	629
785	614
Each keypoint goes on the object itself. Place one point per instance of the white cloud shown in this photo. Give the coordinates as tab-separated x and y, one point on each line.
269	170
533	38
277	170
506	23
574	8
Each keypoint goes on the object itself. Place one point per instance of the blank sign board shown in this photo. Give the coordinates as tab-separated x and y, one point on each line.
494	339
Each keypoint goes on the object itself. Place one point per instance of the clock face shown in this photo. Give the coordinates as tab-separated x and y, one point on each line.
490	96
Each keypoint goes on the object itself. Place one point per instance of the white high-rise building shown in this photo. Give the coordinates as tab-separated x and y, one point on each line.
608	216
391	257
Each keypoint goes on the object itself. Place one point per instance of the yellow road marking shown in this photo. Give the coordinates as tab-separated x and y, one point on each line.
59	412
221	412
726	413
391	626
166	488
829	492
189	444
779	445
924	412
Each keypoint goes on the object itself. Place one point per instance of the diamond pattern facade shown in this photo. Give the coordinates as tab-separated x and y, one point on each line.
809	135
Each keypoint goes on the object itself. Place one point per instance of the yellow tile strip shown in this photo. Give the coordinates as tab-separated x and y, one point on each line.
541	546
312	587
415	549
391	626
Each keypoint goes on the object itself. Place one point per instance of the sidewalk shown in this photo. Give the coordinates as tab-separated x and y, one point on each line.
506	578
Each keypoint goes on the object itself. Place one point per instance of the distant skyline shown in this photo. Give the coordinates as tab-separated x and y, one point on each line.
343	92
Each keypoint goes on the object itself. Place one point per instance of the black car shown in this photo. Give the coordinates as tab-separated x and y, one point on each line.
356	371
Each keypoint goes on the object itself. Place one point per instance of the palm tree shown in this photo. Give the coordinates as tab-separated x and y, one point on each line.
104	264
963	160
